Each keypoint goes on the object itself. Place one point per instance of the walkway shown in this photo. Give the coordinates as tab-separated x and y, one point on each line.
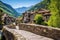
31	36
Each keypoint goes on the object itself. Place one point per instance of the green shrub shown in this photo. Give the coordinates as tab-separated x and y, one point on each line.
39	19
1	17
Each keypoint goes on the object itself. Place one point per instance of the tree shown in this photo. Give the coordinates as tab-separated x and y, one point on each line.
43	4
0	17
55	13
38	19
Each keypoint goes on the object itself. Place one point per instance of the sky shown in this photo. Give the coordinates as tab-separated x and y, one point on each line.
21	3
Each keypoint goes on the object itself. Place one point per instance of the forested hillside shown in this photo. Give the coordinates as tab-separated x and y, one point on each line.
44	4
8	9
54	7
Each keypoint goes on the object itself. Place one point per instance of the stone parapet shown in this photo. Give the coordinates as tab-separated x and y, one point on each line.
11	34
41	30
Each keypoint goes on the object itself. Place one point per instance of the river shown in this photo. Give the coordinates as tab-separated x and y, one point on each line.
0	34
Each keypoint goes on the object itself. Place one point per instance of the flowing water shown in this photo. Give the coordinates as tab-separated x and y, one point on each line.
0	34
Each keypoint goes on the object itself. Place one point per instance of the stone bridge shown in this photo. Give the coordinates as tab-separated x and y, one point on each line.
30	32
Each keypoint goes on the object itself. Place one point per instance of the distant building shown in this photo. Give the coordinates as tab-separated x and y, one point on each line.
28	17
8	19
5	18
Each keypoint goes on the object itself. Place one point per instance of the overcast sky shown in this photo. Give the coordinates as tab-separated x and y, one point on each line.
21	3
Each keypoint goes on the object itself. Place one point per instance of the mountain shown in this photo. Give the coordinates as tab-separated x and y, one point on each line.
22	9
8	9
43	4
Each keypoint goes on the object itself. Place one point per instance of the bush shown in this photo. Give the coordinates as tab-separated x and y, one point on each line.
39	19
1	13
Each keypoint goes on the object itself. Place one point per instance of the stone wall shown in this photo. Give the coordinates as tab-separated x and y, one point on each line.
11	34
41	30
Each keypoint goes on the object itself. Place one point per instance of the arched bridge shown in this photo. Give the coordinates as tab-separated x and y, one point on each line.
30	32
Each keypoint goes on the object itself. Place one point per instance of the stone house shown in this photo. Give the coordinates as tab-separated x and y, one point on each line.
28	17
5	18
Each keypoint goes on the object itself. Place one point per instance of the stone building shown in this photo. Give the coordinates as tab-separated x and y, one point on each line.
28	17
5	18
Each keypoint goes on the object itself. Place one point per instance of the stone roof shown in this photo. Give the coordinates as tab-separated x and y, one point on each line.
40	11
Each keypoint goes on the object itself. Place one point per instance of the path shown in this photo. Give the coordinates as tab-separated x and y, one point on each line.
31	36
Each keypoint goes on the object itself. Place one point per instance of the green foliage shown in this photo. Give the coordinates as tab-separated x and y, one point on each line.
8	9
38	19
55	11
1	17
44	4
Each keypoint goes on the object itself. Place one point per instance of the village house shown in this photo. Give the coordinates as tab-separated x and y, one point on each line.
28	17
5	18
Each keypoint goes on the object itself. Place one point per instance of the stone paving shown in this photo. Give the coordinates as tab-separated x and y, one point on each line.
31	36
26	35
